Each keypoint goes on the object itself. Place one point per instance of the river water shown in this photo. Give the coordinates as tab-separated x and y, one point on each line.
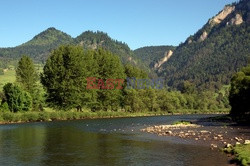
116	141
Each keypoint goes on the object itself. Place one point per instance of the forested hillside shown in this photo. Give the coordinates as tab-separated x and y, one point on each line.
152	54
42	44
210	57
39	47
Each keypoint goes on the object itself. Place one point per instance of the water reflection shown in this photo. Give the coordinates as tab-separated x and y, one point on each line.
84	143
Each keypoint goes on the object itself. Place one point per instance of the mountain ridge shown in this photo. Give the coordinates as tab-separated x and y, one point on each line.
209	58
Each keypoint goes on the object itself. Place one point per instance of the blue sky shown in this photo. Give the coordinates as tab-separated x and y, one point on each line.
136	22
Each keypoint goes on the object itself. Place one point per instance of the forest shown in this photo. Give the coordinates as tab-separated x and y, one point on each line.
62	87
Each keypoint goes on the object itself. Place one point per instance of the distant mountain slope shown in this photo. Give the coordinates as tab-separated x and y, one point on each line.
94	40
152	55
42	44
215	52
39	47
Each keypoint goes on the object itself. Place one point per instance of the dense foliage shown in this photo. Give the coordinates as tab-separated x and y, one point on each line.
206	64
152	54
26	74
27	78
42	44
39	47
65	78
240	94
16	98
211	63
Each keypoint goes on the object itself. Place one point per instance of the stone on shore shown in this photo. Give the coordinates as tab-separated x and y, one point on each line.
247	142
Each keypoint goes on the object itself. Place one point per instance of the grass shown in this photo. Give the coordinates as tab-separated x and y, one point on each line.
182	122
9	76
51	115
241	153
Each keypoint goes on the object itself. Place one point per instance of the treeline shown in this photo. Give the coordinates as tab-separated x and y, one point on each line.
240	95
64	79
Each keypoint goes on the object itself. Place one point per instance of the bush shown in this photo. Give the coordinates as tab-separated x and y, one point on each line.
4	107
43	116
8	116
16	98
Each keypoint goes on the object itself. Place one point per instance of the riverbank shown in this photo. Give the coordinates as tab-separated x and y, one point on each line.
25	117
240	153
217	135
53	115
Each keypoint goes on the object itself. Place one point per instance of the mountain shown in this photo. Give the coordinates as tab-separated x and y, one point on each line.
39	47
42	44
154	56
95	40
210	57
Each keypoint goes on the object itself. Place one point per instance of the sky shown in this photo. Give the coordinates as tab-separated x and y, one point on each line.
136	22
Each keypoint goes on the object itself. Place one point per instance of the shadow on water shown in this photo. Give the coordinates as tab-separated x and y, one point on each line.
99	142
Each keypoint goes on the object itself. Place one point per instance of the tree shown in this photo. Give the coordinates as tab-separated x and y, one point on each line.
16	98
26	74
133	101
187	87
240	94
64	78
109	67
27	77
132	71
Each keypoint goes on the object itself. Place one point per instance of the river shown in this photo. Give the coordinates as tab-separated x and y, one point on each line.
116	141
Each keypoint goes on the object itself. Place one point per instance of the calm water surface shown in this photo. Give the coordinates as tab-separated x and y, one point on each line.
101	142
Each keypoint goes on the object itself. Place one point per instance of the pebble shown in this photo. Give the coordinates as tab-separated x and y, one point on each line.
204	131
237	139
228	145
247	142
169	132
213	146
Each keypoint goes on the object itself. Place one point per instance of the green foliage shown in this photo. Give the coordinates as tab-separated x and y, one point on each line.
26	74
187	87
8	77
64	77
132	71
109	66
4	107
1	71
241	153
39	47
240	94
182	122
97	40
209	64
154	100
152	54
27	77
65	115
17	99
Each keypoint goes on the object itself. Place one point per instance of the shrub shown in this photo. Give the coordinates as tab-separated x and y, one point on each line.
16	98
4	107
